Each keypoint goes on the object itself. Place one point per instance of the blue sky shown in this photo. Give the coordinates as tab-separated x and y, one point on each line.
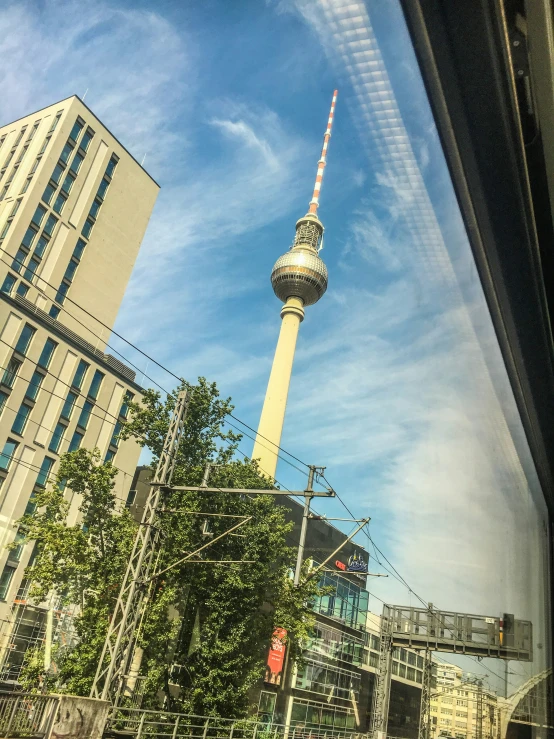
398	386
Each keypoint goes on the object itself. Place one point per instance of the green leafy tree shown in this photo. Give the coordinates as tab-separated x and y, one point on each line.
208	626
81	563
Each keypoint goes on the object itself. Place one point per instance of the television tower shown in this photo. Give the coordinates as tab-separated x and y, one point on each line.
298	278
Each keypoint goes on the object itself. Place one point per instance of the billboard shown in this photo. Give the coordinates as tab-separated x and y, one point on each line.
276	657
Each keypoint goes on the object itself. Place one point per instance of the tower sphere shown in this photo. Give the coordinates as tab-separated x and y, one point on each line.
299	273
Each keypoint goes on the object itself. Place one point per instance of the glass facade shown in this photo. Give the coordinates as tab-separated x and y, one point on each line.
348	603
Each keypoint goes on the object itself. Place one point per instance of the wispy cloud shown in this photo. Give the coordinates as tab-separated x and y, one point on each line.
411	403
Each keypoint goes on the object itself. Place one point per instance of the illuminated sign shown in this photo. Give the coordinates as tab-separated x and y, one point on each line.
340	565
357	564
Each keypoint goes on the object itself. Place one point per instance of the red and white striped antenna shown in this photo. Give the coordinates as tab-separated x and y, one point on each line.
314	202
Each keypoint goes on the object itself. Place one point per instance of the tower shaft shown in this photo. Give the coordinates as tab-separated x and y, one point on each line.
268	438
299	279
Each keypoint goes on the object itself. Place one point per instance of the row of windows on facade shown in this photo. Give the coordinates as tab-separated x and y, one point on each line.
20	422
327	680
13	149
85	235
33	230
316	714
23	414
36	222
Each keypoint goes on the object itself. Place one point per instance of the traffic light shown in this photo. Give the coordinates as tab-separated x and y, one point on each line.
508	623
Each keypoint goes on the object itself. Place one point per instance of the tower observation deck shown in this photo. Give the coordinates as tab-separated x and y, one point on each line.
299	279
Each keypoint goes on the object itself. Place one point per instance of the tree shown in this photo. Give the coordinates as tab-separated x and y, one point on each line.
213	621
81	563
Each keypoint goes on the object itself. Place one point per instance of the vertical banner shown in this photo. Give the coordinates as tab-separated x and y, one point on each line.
276	657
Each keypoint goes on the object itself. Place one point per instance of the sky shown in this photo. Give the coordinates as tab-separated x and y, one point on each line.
398	385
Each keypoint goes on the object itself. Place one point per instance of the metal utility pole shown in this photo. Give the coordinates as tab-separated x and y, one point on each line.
118	648
304	528
426	686
478	684
381	690
479	718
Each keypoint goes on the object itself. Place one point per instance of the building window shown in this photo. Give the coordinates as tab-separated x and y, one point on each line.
76	130
10	373
45	469
29	237
57	173
18	260
40	212
115	436
55	121
80	374
48	192
62	292
68	184
95	384
25	339
87	138
87	228
110	455
6	580
59	203
50	224
54	311
94	208
85	414
66	152
20	421
31	269
47	353
75	442
34	385
104	184
69	405
112	164
75	165
17	547
26	185
79	248
9	282
33	131
57	437
70	271
124	412
3	398
8	453
21	154
40	248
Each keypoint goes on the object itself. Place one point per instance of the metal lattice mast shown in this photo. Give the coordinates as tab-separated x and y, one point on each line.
426	687
118	647
381	691
479	717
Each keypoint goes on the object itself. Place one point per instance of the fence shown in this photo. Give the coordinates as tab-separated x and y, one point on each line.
144	724
27	715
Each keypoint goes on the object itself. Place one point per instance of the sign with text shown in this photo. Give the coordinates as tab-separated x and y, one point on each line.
276	657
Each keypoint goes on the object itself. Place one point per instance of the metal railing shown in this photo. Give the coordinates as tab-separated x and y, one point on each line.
142	724
27	715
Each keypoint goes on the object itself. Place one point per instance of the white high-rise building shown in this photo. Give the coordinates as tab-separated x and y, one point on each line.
74	206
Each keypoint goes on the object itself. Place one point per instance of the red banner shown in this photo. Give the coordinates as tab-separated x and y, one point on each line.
276	657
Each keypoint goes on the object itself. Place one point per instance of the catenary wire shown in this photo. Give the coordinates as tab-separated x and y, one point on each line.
136	348
161	366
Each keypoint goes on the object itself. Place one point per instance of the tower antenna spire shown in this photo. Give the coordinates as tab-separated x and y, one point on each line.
314	202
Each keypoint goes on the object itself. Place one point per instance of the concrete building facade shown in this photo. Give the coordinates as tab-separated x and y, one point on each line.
458	706
74	206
